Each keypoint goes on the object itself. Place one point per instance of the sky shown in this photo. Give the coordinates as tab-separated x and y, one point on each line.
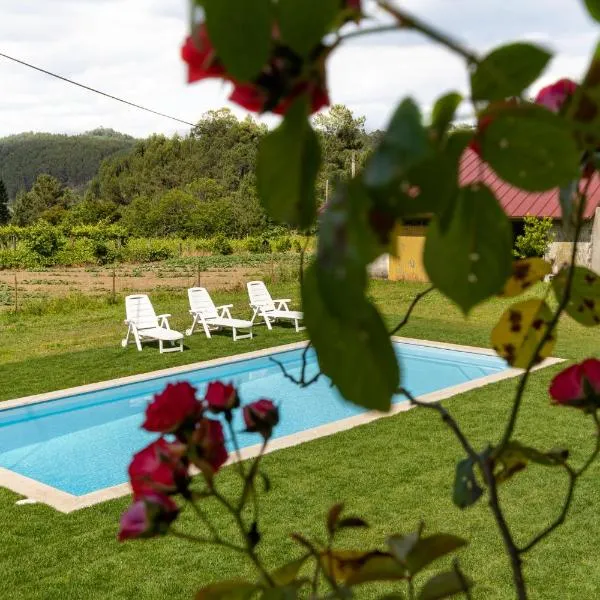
130	48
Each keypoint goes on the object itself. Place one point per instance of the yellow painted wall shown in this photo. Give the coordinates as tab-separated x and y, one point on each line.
406	262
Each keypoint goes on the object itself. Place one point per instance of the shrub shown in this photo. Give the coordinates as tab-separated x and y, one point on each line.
221	245
258	245
535	239
296	245
43	240
283	244
141	250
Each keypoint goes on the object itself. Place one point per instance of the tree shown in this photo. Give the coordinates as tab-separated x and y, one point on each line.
4	212
46	197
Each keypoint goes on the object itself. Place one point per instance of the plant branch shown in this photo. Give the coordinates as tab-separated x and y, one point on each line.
409	21
574	475
552	325
412	306
368	31
236	446
448	419
301	381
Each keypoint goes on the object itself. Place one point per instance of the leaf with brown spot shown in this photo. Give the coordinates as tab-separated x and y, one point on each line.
517	345
525	273
345	565
584	303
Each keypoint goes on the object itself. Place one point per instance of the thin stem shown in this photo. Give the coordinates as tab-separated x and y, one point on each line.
200	540
236	447
574	475
551	326
204	518
411	589
448	419
409	21
369	31
412	306
463	580
507	538
301	381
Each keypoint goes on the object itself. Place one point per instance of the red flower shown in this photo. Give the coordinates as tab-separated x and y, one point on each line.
255	98
578	385
171	408
261	416
208	446
159	467
200	56
147	517
554	96
353	5
221	397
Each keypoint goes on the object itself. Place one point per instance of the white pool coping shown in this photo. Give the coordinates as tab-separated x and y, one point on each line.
66	503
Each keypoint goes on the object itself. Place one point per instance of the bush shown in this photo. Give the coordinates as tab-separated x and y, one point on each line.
221	245
283	244
141	250
535	239
296	245
258	245
44	241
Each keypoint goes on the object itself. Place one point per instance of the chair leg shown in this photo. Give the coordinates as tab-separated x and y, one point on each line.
267	321
191	329
138	341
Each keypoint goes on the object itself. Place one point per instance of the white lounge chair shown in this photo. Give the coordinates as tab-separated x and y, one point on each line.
271	310
212	317
144	325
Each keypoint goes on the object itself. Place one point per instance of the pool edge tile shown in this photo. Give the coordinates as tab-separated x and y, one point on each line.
66	503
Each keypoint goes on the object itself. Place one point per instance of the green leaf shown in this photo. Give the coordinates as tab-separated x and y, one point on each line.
470	261
584	302
235	589
593	7
404	144
358	355
519	331
443	114
566	196
303	23
508	70
286	592
241	33
352	522
466	488
287	573
287	164
531	148
430	548
444	585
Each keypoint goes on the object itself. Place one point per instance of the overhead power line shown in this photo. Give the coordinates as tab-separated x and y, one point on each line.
91	89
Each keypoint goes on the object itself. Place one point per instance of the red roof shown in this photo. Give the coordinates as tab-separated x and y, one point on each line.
518	203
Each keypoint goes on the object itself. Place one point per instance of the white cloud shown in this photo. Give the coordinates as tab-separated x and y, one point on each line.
130	48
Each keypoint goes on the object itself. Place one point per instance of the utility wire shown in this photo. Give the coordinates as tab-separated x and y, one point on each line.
91	89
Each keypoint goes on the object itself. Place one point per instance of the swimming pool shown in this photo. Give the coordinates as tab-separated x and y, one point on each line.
83	442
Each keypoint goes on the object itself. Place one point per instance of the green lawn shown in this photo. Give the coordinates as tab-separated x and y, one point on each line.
394	472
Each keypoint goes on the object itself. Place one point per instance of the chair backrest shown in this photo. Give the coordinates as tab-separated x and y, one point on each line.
201	302
259	295
140	311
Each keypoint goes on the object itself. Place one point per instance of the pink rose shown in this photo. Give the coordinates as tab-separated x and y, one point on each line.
221	397
554	96
147	517
578	385
160	467
171	408
261	416
207	445
201	57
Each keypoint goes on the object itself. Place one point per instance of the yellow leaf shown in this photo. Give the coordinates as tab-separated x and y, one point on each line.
343	565
584	302
524	274
520	330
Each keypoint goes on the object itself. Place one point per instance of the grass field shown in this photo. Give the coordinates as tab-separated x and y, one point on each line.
394	472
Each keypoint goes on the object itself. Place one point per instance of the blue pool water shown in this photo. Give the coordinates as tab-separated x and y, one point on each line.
84	442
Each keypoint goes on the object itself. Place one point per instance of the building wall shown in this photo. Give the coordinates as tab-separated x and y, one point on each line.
561	247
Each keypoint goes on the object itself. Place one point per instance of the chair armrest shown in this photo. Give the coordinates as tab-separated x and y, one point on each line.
225	306
284	300
163	316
